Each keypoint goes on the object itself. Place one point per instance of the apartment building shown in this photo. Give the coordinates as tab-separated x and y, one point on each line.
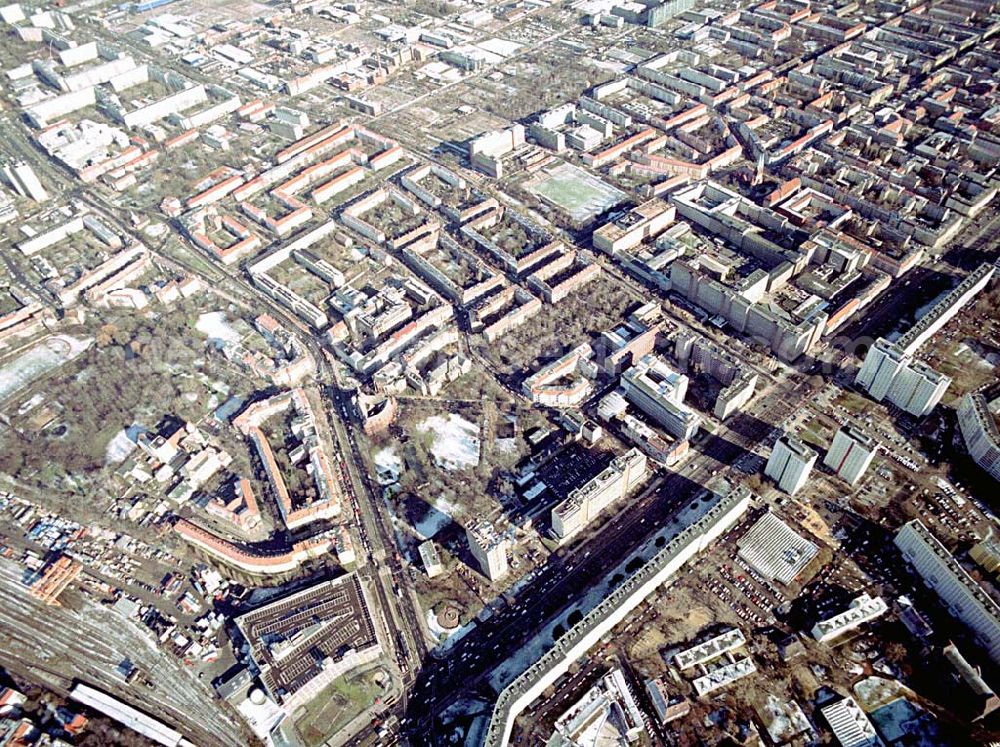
658	390
790	463
21	177
945	310
890	373
556	661
489	546
862	609
584	504
629	229
979	431
565	382
693	350
850	453
965	599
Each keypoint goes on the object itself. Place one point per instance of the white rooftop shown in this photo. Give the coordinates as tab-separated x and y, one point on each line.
710	649
725	675
850	725
774	550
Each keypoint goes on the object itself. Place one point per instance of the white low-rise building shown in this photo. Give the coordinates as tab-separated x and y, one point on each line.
850	725
431	558
724	676
710	649
774	550
863	609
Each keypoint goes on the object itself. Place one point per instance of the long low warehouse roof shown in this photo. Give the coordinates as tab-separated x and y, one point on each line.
126	715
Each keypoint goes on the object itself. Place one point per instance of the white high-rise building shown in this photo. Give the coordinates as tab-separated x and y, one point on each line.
850	453
22	178
790	463
658	390
889	372
489	547
7	210
882	364
979	431
965	599
584	504
918	388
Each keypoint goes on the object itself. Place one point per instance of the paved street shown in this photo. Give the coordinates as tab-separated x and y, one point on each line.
568	574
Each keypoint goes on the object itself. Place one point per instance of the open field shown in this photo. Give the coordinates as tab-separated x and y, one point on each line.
334	707
40	359
576	192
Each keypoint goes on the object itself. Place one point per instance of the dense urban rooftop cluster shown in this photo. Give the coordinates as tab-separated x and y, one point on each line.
586	373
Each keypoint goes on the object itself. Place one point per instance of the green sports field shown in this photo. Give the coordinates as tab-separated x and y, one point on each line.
575	192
